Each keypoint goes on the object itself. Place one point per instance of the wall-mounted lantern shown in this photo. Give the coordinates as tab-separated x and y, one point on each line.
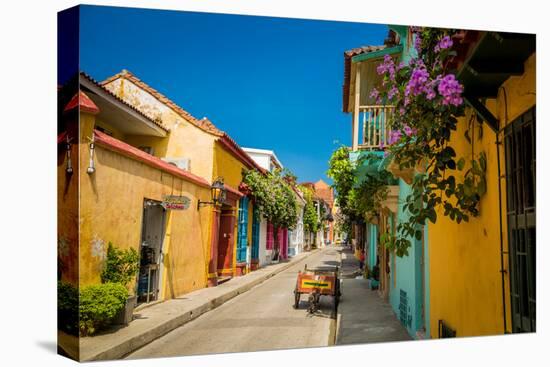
91	167
217	192
69	168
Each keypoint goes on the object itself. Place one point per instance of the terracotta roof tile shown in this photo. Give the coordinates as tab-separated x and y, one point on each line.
203	124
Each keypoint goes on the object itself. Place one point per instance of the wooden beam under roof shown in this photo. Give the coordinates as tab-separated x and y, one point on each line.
482	112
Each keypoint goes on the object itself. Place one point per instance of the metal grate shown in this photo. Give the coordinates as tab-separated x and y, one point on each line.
519	143
404	310
445	331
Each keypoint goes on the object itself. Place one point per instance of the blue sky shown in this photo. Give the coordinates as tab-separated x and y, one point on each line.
270	83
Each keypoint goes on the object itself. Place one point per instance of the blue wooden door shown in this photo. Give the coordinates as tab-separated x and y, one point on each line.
242	232
255	234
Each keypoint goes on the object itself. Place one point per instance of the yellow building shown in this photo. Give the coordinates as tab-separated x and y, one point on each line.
132	168
482	272
198	146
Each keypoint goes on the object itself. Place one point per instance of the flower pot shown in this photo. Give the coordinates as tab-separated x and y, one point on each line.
124	316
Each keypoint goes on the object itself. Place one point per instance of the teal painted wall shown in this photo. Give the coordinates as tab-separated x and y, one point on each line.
373	242
407	272
406	297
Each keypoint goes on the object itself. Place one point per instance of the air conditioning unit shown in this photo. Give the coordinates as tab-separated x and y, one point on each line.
180	162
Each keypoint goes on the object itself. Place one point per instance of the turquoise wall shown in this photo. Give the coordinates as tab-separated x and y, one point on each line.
373	242
406	271
406	294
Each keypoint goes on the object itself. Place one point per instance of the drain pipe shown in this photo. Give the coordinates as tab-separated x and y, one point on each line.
502	252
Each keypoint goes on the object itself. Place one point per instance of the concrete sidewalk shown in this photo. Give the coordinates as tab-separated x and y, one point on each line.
157	320
364	317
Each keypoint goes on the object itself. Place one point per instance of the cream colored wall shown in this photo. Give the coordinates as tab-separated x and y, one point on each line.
185	140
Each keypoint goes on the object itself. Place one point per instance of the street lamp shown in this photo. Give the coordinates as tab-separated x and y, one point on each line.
217	192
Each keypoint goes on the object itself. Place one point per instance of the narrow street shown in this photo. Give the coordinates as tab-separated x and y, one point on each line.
260	319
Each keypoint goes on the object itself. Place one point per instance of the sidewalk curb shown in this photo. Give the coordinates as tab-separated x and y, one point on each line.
132	344
338	314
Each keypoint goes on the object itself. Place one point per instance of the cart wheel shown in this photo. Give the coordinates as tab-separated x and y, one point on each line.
296	299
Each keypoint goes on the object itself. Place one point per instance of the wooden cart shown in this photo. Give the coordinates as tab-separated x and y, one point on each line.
317	282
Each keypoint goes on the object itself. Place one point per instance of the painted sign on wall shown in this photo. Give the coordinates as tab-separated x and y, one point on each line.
175	202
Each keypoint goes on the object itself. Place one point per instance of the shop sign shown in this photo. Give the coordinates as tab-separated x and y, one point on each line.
176	202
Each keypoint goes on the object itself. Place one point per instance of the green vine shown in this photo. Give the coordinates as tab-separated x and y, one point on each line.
428	101
360	191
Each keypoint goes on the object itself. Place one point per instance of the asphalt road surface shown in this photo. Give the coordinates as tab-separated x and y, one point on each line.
261	319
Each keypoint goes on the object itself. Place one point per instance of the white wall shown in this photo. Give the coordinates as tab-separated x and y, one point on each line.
263	239
262	159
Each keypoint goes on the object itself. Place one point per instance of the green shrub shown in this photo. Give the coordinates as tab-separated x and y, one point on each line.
67	307
99	304
121	266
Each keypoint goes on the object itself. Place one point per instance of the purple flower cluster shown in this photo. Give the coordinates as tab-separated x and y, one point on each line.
375	94
418	82
451	90
417	42
445	43
396	135
393	92
388	66
408	130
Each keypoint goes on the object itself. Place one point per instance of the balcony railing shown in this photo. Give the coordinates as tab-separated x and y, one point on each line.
375	121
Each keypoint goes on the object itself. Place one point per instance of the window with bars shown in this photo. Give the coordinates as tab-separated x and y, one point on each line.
520	153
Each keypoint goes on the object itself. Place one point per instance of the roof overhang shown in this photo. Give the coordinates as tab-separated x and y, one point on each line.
487	62
118	114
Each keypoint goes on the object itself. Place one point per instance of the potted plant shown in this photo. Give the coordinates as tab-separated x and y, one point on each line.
122	266
374	277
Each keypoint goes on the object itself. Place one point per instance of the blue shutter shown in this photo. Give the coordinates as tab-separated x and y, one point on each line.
255	234
242	234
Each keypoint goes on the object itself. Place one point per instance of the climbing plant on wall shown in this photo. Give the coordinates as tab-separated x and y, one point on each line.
274	199
428	100
311	218
360	192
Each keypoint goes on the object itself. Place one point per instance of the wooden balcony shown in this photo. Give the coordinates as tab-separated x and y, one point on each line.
371	127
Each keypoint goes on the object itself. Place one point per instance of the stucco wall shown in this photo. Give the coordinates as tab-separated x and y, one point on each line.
111	208
185	140
406	274
262	245
465	278
67	214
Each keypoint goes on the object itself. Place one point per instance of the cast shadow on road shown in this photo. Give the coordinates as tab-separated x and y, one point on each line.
326	308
